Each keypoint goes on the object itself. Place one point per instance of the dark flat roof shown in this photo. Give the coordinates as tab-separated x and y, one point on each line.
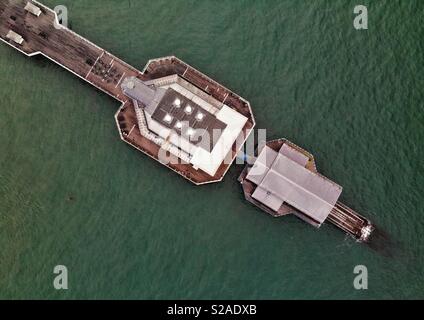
209	124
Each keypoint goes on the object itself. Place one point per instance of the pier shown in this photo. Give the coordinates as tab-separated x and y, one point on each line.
33	29
168	103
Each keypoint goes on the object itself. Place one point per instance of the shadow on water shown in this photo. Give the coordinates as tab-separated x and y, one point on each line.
381	242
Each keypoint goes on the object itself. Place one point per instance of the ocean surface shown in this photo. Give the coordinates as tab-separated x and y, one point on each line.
73	194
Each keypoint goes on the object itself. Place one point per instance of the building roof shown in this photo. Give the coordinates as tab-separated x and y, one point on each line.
137	90
281	177
173	110
187	117
210	161
176	112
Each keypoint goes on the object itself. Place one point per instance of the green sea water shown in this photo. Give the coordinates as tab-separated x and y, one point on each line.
71	193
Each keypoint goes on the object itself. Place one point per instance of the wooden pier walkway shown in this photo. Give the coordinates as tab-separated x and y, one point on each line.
43	35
